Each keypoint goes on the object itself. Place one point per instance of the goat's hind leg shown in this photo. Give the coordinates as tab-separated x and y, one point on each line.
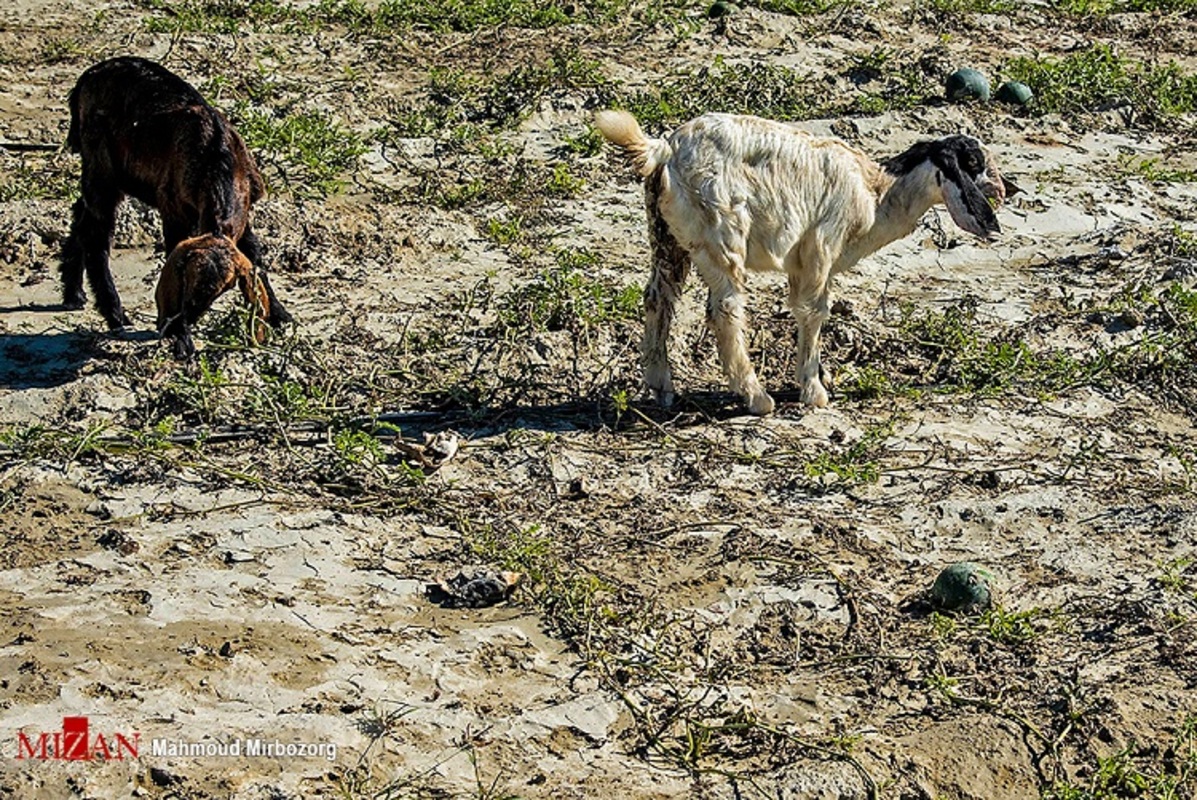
726	314
669	269
71	266
87	249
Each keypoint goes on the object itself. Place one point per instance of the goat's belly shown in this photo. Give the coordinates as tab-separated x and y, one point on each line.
760	259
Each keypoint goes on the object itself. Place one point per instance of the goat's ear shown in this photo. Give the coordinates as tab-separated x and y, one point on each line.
964	199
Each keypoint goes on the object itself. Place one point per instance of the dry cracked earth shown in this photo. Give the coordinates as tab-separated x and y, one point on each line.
713	605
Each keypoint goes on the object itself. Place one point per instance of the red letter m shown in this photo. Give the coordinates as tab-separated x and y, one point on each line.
25	747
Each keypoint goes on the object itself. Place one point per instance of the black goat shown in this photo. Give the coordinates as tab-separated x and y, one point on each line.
144	132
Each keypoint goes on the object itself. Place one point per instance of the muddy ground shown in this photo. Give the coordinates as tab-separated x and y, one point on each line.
713	605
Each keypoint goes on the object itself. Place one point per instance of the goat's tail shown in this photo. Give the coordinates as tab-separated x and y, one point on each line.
621	128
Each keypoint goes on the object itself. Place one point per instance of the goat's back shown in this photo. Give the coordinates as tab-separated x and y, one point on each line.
762	184
128	89
151	134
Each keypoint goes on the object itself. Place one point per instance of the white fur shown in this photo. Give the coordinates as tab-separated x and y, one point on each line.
740	194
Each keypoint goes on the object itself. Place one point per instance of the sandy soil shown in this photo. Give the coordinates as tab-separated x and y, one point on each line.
705	613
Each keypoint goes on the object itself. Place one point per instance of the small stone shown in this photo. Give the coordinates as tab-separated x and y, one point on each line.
113	539
1131	318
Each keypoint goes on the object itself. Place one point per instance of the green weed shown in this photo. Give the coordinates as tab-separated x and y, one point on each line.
310	148
1149	168
1009	627
1174	575
1098	78
58	49
1145	773
858	463
585	144
569	298
563	183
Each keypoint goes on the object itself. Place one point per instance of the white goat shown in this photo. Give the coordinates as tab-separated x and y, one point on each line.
730	194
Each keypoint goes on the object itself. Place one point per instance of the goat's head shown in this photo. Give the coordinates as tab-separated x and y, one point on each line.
966	176
201	269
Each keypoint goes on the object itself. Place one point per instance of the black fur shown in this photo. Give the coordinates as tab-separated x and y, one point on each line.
958	159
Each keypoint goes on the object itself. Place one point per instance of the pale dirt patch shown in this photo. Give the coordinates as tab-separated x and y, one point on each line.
188	604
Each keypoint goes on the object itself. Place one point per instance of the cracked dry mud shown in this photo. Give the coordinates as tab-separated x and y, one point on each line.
707	613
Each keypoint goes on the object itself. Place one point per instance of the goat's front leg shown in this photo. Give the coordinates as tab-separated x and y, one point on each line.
811	307
726	314
251	248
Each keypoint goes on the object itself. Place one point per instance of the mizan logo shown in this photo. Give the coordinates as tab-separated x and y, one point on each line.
75	742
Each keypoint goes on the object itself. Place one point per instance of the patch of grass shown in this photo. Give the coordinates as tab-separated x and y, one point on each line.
472	15
311	148
496	100
1098	79
392	17
1175	575
802	8
752	88
1009	627
1145	773
569	298
506	233
587	143
856	464
904	84
1150	169
869	383
214	16
563	183
958	7
33	178
963	359
56	49
1101	8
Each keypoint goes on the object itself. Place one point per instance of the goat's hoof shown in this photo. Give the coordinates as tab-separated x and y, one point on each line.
815	395
761	404
279	317
664	397
183	351
74	303
119	320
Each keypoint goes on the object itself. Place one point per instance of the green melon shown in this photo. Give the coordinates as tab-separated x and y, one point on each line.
1015	93
967	84
963	586
721	8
